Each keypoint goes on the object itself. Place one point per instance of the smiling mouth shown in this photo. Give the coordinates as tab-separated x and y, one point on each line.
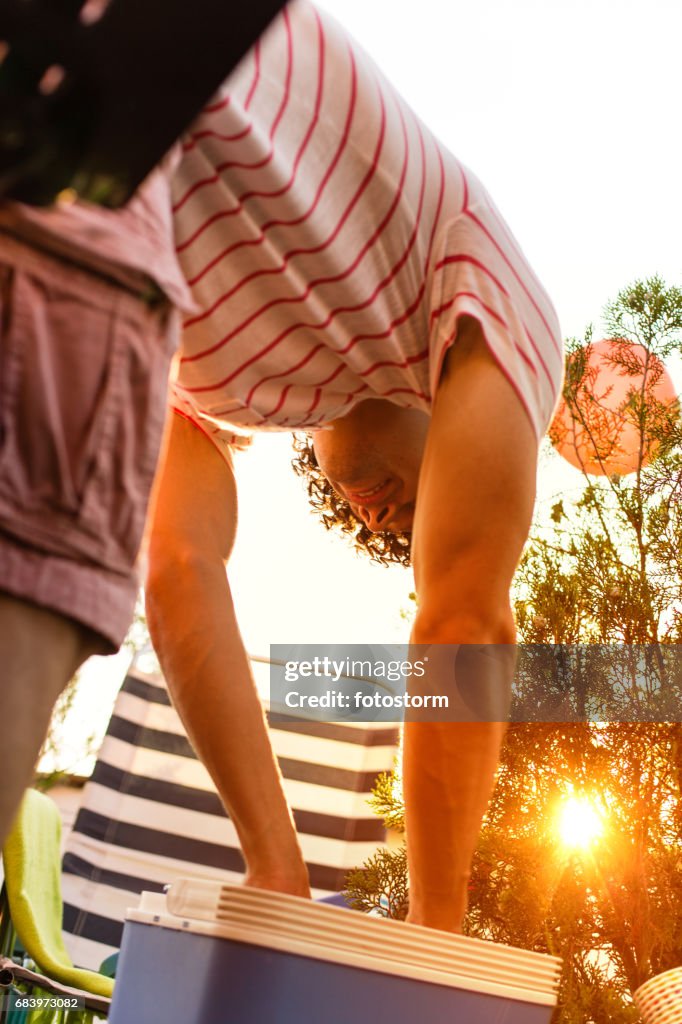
370	494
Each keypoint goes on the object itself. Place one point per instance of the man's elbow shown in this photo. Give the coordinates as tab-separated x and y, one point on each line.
176	579
167	566
162	590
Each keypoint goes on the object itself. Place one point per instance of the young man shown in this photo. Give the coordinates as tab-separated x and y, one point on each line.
354	282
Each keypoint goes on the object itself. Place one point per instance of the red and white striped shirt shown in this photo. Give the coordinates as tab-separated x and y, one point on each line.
331	243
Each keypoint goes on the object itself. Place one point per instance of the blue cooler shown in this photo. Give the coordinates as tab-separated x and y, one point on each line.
208	953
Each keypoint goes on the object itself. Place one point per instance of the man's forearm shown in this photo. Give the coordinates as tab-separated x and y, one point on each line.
448	778
194	630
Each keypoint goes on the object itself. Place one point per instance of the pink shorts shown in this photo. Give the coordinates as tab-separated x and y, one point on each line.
83	383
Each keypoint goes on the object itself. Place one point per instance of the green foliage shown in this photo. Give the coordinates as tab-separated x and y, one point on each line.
387	800
648	312
137	638
612	911
605	569
51	750
381	885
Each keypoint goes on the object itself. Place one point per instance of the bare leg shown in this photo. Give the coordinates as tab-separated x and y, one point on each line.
39	653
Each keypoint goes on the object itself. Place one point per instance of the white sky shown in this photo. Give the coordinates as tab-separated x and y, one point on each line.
568	110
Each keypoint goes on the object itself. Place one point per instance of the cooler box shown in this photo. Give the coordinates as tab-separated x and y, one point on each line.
208	953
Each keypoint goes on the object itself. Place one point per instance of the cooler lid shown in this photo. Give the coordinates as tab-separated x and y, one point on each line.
323	932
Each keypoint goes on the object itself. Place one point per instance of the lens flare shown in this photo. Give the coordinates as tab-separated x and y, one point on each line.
580	824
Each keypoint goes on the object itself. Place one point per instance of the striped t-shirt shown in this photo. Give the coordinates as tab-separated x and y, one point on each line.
331	243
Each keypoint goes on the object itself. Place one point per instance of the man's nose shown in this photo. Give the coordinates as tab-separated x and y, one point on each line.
377	517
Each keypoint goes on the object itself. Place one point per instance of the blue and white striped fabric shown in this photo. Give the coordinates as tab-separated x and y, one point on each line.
150	813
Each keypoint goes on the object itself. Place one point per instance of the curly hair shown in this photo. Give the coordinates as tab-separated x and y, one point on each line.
336	513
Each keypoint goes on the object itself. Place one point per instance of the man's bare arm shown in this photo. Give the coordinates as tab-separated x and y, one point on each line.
193	626
476	494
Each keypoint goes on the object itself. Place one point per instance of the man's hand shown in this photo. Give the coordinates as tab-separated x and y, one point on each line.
474	508
193	626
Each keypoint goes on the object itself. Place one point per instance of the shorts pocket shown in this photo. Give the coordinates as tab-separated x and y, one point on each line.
83	374
56	352
115	503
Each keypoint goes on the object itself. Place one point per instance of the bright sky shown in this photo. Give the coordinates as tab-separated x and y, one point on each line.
569	113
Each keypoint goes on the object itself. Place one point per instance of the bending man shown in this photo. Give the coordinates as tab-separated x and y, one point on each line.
355	282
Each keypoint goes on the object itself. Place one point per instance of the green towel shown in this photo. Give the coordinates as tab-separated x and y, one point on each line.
33	878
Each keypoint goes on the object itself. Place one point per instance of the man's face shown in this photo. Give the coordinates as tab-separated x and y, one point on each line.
372	459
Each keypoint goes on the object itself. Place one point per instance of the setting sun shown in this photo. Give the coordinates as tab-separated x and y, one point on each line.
580	823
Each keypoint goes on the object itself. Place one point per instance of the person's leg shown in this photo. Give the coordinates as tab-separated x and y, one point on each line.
39	654
83	372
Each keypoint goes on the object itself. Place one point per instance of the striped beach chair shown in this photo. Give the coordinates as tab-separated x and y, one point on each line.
150	813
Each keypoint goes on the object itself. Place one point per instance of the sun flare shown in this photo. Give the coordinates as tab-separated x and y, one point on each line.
580	823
